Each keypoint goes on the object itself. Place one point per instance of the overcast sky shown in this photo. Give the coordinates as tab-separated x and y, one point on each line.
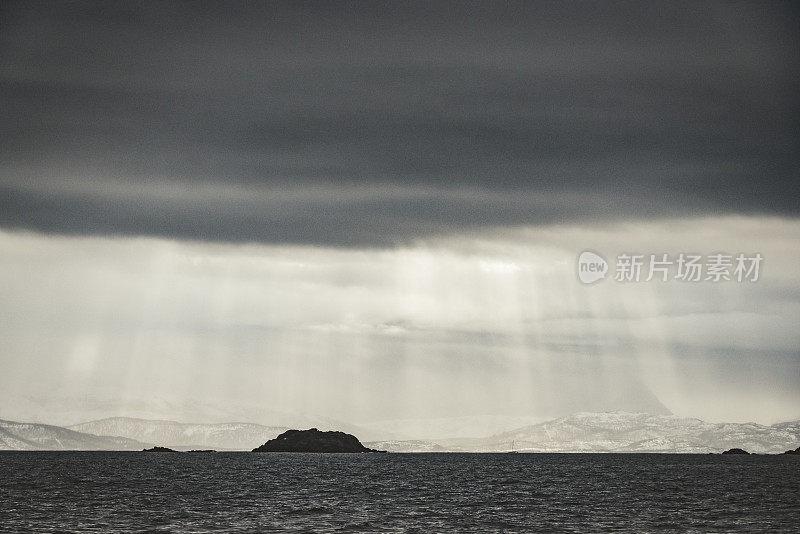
373	210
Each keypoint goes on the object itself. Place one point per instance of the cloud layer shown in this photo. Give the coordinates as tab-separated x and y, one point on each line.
368	124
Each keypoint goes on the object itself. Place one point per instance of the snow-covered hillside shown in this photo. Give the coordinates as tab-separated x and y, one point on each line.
636	432
221	436
34	436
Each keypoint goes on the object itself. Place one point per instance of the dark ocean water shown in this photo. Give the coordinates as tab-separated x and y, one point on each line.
273	492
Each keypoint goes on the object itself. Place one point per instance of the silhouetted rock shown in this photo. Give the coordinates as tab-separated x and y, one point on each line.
313	440
796	451
202	450
736	451
158	449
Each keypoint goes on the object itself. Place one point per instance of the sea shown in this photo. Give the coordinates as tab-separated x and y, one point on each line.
425	493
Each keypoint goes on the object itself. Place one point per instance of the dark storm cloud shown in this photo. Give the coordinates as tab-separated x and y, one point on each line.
367	123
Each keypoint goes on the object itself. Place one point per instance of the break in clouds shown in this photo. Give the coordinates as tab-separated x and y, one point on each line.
490	325
373	211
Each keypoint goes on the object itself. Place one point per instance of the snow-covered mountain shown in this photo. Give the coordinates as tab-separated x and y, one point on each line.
34	436
220	436
636	432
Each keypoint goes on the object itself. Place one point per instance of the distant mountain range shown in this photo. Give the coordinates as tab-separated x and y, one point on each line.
581	432
34	436
635	432
225	436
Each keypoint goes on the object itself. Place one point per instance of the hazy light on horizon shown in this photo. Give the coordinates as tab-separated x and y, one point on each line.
477	324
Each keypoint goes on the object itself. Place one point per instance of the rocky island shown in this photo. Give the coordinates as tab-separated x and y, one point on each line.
313	440
736	451
158	449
